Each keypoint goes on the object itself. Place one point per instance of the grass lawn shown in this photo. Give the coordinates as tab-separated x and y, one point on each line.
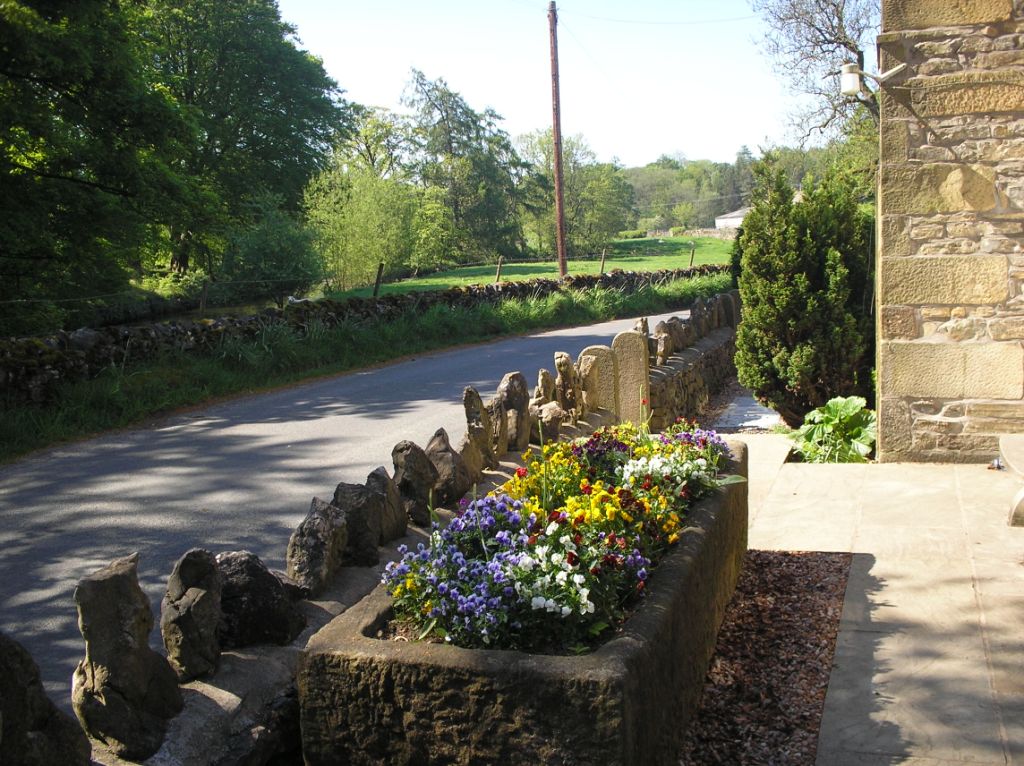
625	254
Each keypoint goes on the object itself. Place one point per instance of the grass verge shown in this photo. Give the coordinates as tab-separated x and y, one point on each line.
121	397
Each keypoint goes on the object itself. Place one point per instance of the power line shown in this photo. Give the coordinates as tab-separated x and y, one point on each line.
694	23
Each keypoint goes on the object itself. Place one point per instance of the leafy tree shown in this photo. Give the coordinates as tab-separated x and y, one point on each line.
465	153
805	284
266	111
86	151
598	199
809	42
360	220
272	255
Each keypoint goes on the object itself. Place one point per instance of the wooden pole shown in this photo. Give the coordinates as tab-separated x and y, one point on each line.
380	278
497	277
556	133
693	250
604	252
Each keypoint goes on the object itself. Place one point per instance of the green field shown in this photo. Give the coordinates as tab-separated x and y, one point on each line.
626	254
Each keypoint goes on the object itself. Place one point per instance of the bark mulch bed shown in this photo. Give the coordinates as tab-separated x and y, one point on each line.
765	690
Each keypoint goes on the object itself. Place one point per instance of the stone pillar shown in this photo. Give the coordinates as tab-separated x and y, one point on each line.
950	230
634	376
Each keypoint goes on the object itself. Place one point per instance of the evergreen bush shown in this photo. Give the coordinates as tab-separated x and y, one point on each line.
805	282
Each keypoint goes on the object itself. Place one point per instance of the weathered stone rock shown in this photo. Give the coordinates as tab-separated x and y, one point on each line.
122	692
478	426
363	512
33	732
255	606
642	326
453	477
471	456
698	318
545	390
393	518
567	386
634	376
514	394
293	589
601	381
548	423
415	476
316	548
499	427
190	615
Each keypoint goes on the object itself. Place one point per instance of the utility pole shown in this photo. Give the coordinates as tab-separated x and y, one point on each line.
556	131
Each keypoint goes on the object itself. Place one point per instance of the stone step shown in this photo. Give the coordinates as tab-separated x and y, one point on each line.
1011	452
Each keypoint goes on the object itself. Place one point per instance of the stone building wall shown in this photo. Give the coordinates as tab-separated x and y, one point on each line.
951	229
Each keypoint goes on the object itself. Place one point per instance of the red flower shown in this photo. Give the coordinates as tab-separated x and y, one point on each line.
531	540
521	472
572	558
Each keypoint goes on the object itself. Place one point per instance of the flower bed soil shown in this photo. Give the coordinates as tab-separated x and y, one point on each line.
765	691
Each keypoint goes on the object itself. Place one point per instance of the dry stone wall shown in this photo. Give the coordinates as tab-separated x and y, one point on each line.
32	368
951	229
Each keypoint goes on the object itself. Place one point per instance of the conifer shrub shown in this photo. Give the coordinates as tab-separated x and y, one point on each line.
805	282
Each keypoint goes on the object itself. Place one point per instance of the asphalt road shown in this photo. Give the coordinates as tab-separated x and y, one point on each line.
235	475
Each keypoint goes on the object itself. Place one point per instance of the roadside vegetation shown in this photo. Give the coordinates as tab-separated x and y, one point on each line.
121	396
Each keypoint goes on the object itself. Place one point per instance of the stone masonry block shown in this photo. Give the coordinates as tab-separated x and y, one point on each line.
938	188
970	279
952	370
899	323
990	92
920	14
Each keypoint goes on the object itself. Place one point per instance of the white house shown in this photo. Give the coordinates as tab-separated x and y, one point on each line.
731	220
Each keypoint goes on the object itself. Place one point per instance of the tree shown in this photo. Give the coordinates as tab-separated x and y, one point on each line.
465	153
805	284
809	41
598	199
266	112
86	149
271	254
360	220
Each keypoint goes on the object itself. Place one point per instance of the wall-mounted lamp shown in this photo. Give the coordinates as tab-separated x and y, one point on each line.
851	78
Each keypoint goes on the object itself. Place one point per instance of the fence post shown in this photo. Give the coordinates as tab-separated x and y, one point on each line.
604	252
380	278
497	276
693	250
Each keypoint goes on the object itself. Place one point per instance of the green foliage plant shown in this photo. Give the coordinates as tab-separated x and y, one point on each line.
840	431
805	283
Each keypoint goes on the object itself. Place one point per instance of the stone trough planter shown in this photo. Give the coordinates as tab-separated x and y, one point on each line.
370	701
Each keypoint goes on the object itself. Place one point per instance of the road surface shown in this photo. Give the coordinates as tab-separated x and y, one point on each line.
235	475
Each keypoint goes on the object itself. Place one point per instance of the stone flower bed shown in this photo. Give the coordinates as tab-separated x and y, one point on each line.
365	700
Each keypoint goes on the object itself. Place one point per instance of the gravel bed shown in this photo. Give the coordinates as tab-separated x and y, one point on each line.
765	690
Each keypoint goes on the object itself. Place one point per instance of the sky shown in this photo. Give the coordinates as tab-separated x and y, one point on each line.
638	79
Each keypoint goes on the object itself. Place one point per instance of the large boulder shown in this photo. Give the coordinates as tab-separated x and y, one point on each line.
190	615
363	510
255	605
415	476
478	426
316	548
514	394
547	425
122	692
393	519
453	476
33	732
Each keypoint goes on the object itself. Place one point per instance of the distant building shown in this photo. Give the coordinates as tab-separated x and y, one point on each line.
731	220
